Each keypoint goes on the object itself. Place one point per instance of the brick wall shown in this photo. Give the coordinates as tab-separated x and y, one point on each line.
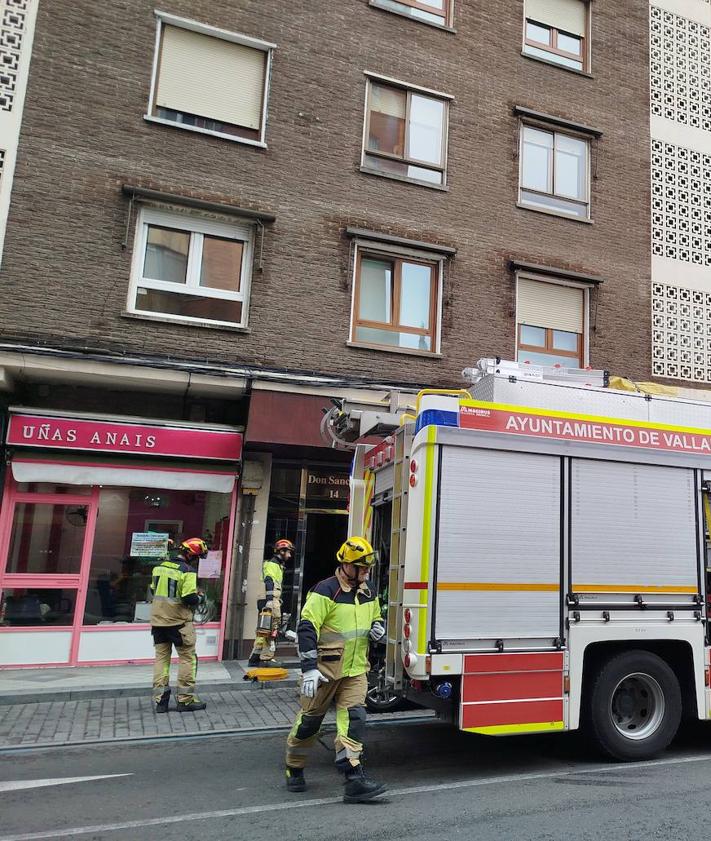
65	275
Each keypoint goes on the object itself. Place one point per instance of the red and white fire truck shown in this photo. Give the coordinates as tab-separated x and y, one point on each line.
545	546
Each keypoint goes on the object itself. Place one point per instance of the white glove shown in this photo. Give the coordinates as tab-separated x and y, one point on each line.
268	605
311	681
377	631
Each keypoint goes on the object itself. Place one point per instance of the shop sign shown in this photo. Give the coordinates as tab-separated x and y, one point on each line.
325	484
149	544
115	437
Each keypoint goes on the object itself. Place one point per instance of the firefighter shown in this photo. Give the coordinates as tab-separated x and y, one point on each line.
175	597
340	616
272	576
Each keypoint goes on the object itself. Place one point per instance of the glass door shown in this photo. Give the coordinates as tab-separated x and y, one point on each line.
46	536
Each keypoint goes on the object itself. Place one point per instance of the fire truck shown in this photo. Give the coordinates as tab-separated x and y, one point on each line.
543	541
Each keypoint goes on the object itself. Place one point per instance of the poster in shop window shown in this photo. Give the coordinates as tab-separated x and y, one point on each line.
149	544
211	566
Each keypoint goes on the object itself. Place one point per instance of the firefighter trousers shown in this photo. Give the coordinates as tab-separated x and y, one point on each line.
349	696
265	647
187	664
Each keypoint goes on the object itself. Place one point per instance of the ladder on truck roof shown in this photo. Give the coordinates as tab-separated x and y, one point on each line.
396	570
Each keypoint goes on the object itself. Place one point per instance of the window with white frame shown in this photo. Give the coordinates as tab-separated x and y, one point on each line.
191	269
396	299
209	80
555	172
438	12
550	323
557	31
405	132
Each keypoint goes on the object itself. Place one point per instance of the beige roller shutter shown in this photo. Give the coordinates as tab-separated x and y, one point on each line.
568	15
211	77
543	304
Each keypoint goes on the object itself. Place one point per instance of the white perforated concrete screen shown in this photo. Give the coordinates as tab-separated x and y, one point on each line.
633	526
681	331
498	568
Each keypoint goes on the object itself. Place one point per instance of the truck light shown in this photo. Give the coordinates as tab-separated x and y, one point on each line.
406	631
407	646
566	684
707	678
413	466
408	615
428	664
413	480
443	690
407	660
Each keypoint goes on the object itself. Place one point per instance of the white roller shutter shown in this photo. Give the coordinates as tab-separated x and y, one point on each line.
633	525
490	584
211	77
550	305
568	15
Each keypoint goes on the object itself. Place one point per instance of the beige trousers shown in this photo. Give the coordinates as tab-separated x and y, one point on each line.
187	666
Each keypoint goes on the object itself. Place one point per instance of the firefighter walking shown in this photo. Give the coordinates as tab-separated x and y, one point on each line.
272	576
340	616
175	597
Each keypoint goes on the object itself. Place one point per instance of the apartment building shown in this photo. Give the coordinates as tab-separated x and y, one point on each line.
216	216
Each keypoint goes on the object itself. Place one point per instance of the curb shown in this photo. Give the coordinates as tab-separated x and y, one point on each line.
264	729
41	696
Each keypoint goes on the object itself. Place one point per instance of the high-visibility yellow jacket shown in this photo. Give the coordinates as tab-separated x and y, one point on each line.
174	588
272	576
334	627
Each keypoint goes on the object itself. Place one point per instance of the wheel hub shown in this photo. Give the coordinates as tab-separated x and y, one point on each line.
637	706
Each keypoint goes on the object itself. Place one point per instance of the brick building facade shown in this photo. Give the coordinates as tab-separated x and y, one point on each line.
458	147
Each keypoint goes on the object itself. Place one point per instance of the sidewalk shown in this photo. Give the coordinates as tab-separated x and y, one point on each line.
59	707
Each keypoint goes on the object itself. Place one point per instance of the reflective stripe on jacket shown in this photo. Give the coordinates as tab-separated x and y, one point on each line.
272	575
174	588
336	621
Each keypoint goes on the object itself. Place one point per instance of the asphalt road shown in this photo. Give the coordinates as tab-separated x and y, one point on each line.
442	785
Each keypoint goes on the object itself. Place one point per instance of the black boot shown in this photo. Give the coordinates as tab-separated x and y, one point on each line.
358	788
295	780
162	704
192	706
253	661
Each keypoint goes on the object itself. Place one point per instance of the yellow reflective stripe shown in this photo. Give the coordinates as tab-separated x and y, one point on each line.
426	534
510	729
632	588
497	585
550	413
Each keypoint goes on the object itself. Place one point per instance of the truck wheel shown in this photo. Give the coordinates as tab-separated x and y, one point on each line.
634	708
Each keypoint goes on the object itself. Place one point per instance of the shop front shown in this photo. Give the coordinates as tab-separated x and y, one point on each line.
89	505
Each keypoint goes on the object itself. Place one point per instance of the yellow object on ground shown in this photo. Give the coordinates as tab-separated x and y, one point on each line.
261	675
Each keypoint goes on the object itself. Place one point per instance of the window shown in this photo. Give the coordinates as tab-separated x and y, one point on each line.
191	270
395	301
554	172
405	133
437	12
556	30
209	80
550	321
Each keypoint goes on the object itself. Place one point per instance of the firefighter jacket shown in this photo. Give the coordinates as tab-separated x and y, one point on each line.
334	627
174	588
272	575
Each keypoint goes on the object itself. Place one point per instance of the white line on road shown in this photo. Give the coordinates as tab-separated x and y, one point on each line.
327	801
18	785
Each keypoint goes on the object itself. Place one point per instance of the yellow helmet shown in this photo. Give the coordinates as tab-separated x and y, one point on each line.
356	550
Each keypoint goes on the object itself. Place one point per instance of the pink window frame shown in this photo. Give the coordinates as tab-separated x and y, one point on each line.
11	496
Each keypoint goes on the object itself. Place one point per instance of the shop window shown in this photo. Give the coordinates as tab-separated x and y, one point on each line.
210	81
120	576
555	172
29	606
557	31
437	12
395	302
406	133
46	539
191	270
550	321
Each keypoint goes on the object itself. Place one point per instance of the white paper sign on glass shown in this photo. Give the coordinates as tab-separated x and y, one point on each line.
149	544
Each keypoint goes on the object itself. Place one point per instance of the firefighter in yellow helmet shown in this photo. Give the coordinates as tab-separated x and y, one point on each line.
175	597
273	577
340	616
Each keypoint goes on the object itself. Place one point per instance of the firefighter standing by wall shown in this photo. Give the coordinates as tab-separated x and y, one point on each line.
339	617
272	576
175	596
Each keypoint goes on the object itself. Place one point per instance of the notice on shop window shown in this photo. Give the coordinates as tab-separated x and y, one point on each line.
210	566
149	544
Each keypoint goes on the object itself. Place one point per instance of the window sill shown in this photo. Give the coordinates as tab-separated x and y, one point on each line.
556	213
443	188
584	73
385	8
386	349
260	144
167	319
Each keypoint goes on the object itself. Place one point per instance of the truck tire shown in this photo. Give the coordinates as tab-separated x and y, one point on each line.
634	708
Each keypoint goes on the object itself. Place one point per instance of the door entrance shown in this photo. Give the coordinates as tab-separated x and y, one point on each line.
324	535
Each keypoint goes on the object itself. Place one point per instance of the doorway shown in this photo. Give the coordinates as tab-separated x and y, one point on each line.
325	533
